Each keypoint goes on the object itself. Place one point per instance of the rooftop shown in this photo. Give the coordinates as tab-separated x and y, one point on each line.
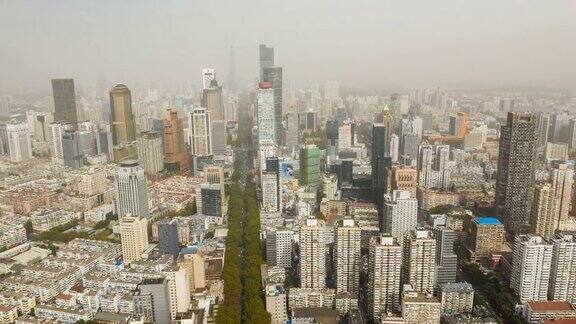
548	306
487	221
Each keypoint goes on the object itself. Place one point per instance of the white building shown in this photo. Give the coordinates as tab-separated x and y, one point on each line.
531	268
347	253
19	142
200	132
384	276
394	147
131	190
330	186
312	254
150	152
279	247
563	269
208	74
179	289
400	214
57	130
271	194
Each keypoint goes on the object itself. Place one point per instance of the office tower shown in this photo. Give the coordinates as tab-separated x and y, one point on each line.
411	125
387	119
178	289
214	174
58	130
200	125
419	269
219	136
346	135
76	146
410	144
168	242
131	190
516	158
400	105
270	194
311	121
212	200
543	211
446	259
347	255
400	214
274	75
152	300
279	247
563	268
134	237
571	135
384	276
486	236
332	139
543	128
394	148
312	254
208	75
4	146
458	124
292	128
265	106
150	152
562	183
19	142
212	101
532	257
475	138
64	101
266	59
403	178
122	123
175	153
457	297
310	165
330	186
41	127
193	261
380	160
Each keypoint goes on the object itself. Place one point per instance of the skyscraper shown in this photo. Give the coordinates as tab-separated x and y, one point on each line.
168	242
219	136
270	191
152	300
380	160
64	101
458	124
562	183
134	237
265	106
175	153
274	75
266	59
516	158
543	210
347	254
312	254
212	101
400	214
131	190
279	247
200	132
208	74
122	123
446	259
532	258
384	276
57	130
419	260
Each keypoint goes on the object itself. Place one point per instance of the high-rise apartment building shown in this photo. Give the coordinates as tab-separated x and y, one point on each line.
563	268
176	156
384	276
446	259
562	184
419	260
347	254
543	211
400	214
57	130
532	259
271	197
134	237
312	254
64	101
200	125
131	190
516	159
403	178
265	111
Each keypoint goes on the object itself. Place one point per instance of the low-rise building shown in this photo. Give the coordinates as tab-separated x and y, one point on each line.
537	311
457	298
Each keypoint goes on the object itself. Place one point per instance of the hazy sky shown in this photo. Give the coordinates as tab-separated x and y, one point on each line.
376	44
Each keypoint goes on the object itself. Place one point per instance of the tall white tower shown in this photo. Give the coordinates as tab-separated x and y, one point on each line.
19	142
131	190
420	260
531	268
347	253
312	254
400	214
